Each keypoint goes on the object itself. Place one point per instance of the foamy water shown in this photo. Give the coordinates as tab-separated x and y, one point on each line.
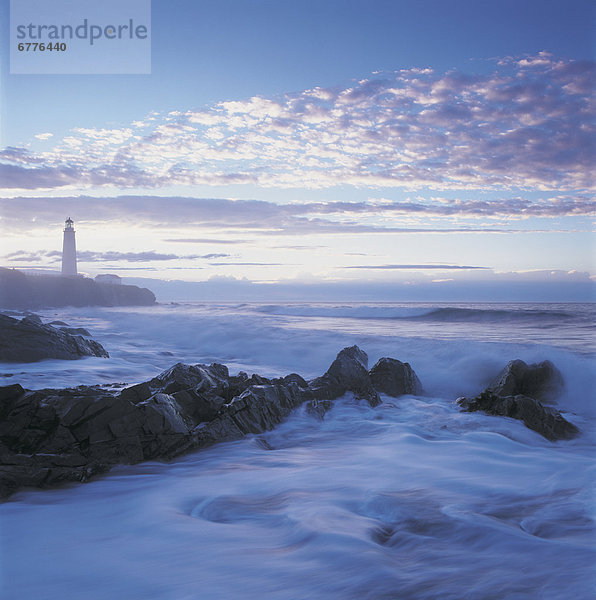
411	499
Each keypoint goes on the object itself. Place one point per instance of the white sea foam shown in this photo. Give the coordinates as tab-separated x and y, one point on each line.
411	499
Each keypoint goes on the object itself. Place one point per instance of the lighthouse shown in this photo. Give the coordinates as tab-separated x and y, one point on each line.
69	250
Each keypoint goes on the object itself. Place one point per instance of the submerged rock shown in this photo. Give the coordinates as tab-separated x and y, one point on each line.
516	392
29	340
51	436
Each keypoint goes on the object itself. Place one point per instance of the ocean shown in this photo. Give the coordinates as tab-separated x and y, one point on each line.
409	500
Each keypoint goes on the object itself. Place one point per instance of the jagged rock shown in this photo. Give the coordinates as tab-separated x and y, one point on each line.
29	340
394	378
515	393
52	436
136	393
543	419
201	378
76	331
292	378
347	373
542	381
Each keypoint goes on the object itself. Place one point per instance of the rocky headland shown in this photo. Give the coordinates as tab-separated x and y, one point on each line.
19	291
51	436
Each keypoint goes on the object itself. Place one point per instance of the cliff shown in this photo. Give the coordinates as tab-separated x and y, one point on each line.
21	291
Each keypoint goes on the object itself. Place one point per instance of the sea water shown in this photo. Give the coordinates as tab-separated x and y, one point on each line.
411	499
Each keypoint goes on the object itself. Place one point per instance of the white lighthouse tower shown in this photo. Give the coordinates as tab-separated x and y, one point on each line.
69	250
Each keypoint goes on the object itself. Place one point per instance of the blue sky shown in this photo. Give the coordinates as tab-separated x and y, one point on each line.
338	141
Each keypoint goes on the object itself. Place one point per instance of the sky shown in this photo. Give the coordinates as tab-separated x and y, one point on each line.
423	149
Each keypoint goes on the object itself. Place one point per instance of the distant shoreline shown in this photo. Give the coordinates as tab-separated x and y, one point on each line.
21	291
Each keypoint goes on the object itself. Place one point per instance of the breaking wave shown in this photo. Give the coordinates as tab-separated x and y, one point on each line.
426	313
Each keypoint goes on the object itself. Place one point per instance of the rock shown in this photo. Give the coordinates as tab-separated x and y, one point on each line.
542	381
292	378
53	436
8	393
202	378
543	419
199	407
29	340
136	393
347	373
394	378
516	392
76	331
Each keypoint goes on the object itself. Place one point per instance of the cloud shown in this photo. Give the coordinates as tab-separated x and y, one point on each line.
247	264
204	241
87	256
44	136
416	267
528	124
414	215
25	256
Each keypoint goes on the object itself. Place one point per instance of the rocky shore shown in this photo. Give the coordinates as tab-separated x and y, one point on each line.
30	340
52	436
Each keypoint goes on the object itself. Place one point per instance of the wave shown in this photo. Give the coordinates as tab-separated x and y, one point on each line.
491	314
343	311
430	313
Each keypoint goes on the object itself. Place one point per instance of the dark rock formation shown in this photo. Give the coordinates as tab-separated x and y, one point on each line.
75	331
51	436
543	419
21	291
29	340
349	371
395	378
515	393
542	381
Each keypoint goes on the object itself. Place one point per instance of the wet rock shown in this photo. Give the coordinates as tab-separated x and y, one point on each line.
29	340
347	373
202	378
292	378
76	331
53	436
542	381
517	391
394	378
136	393
543	419
199	407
